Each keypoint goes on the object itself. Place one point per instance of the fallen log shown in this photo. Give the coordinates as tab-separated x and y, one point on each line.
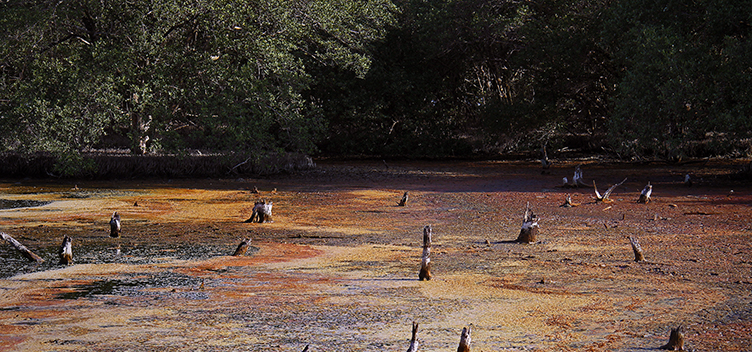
242	247
21	248
66	251
425	262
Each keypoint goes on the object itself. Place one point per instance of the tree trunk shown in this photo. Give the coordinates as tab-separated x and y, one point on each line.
21	248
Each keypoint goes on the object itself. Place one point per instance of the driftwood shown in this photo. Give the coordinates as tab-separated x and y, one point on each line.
425	262
242	247
403	201
675	340
605	197
529	231
645	194
464	340
66	251
262	212
414	341
568	203
637	249
115	225
21	248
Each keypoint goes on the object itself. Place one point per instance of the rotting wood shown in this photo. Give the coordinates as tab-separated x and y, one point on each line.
529	231
645	194
66	251
637	249
464	340
242	247
425	261
414	341
403	201
605	197
115	225
21	248
675	340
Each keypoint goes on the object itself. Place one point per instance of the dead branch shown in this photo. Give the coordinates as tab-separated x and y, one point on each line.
675	340
242	247
425	262
637	249
66	251
403	201
21	248
414	341
464	340
529	231
115	225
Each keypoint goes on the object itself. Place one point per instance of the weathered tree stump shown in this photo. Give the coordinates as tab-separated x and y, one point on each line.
464	340
403	201
21	248
262	212
425	261
675	340
605	197
66	251
576	179
414	341
637	249
242	247
568	203
115	225
645	194
529	231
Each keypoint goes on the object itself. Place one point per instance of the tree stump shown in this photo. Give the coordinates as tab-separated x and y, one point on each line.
568	203
262	212
464	340
115	225
21	248
414	341
529	231
403	201
425	262
675	340
242	247
645	194
66	251
637	249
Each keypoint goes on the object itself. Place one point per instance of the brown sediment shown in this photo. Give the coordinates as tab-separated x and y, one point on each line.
337	266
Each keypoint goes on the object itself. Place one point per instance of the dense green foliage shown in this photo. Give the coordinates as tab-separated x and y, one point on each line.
391	78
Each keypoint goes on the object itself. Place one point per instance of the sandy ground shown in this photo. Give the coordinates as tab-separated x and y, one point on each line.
338	267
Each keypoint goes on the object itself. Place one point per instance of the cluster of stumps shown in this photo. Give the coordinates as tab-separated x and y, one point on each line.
262	213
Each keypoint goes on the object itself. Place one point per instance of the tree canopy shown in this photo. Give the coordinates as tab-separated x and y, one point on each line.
635	78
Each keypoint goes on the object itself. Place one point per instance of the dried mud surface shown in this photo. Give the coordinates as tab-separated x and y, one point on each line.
338	267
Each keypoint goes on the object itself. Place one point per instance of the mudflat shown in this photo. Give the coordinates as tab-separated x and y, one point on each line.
337	269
